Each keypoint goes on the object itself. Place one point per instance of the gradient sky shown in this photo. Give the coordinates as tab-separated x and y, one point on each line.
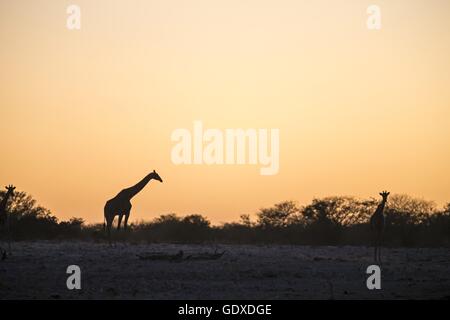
86	113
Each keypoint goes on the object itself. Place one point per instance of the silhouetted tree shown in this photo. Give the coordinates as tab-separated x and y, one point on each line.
404	210
195	228
331	220
339	210
28	220
245	220
71	229
279	215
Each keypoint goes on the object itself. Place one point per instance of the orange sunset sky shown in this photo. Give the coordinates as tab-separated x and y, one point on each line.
86	113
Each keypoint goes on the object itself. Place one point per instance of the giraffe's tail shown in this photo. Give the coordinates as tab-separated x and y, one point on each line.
104	223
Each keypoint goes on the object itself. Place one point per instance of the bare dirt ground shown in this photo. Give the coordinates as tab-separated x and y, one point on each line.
37	270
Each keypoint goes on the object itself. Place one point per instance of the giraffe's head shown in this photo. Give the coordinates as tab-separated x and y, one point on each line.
10	190
156	176
384	194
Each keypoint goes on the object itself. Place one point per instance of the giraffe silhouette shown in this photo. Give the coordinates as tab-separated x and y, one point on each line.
377	224
4	221
120	205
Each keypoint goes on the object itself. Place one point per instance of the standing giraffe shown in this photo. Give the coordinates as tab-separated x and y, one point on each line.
377	224
4	221
120	205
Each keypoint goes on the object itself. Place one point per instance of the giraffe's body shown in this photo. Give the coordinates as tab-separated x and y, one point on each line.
377	224
4	215
120	205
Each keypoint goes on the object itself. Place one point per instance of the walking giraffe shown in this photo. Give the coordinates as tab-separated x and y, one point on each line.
120	205
377	224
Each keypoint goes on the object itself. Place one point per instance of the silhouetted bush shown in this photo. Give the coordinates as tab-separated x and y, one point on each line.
327	221
29	221
280	215
71	229
171	228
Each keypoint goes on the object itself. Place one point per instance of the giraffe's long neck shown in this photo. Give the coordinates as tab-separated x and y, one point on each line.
380	208
134	190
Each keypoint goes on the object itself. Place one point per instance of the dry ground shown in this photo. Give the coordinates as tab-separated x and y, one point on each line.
37	270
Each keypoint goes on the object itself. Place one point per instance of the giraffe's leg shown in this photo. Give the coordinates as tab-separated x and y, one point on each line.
120	221
9	234
109	222
379	249
109	219
375	244
379	254
125	224
2	252
9	247
108	230
378	259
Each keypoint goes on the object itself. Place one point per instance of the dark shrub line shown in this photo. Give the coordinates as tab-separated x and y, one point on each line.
326	221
